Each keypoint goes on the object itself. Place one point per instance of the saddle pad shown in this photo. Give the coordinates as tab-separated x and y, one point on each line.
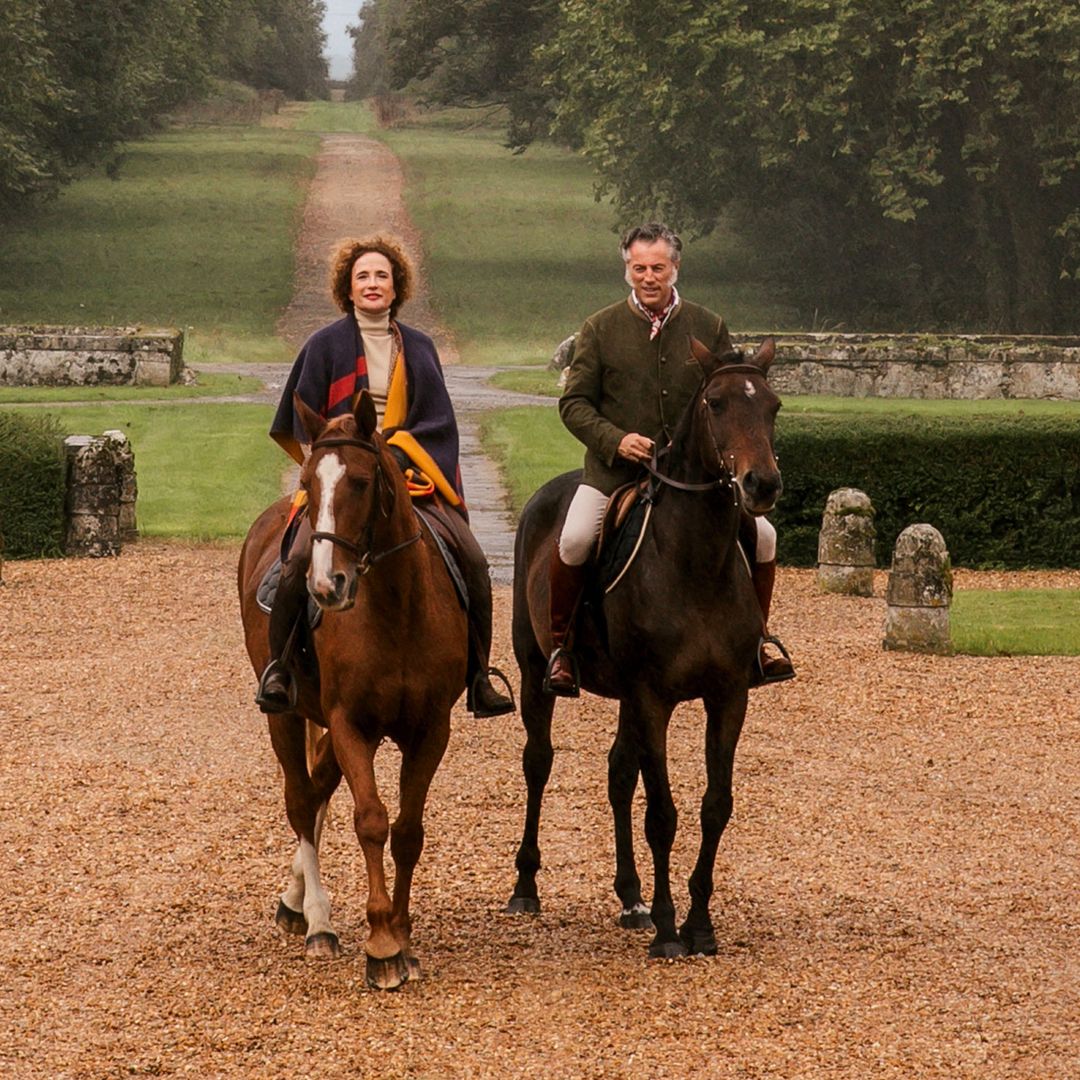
267	590
430	520
619	546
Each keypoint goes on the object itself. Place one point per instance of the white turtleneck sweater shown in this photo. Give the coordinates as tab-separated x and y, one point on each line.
379	352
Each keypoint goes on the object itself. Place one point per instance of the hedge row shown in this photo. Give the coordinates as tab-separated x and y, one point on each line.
32	484
1004	492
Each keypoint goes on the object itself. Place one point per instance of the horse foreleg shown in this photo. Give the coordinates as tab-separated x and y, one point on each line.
386	967
623	769
649	721
418	765
304	906
724	718
536	711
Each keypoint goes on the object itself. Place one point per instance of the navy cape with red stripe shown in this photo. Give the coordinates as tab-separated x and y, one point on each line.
329	359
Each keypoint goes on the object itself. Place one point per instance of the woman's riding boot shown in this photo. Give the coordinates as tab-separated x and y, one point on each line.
277	689
567	583
768	669
481	698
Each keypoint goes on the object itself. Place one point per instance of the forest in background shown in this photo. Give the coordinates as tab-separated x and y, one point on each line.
894	163
81	76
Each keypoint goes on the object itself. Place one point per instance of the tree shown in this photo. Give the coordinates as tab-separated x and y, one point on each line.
906	148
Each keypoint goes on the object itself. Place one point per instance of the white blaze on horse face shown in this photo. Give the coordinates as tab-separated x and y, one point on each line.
330	471
750	390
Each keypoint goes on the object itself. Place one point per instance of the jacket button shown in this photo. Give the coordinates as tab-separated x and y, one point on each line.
663	393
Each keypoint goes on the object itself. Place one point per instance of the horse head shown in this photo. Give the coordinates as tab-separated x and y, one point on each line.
352	486
731	431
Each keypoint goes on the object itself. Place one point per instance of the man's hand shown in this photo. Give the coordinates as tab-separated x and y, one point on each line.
636	447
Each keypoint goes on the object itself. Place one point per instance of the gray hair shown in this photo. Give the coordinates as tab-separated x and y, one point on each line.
650	233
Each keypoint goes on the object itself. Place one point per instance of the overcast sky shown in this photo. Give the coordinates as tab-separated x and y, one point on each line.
339	14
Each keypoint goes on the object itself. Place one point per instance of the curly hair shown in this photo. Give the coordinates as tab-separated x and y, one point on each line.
348	251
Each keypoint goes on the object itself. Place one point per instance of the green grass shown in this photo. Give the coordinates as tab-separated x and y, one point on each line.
205	471
518	252
1018	622
341	117
528	380
196	232
530	446
210	384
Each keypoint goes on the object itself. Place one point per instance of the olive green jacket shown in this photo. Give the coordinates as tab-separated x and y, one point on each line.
621	382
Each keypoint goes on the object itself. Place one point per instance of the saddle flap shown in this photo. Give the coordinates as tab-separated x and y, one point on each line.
267	590
621	529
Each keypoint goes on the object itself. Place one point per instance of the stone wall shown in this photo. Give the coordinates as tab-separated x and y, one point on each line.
924	366
90	356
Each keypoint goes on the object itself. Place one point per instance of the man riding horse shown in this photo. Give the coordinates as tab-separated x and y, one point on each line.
399	366
628	384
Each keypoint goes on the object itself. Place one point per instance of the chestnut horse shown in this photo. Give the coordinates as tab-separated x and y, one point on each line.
682	623
391	649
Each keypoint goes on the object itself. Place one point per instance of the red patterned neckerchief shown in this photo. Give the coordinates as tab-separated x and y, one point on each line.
657	318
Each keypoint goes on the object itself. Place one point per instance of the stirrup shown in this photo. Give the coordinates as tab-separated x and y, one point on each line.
759	676
574	690
270	704
501	710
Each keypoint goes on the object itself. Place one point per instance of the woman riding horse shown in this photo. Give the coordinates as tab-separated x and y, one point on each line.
399	366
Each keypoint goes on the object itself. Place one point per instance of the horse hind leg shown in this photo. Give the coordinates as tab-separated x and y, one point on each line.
537	708
623	770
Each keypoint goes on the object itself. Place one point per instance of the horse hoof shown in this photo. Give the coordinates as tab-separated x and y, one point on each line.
698	942
390	973
523	905
292	922
636	918
667	950
322	946
413	966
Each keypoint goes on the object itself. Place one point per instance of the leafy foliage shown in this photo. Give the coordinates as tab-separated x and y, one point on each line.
32	484
81	76
1003	491
897	161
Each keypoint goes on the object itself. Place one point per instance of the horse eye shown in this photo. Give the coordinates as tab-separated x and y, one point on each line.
357	483
715	404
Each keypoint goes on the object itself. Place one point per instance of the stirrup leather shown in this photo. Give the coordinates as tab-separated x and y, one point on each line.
575	689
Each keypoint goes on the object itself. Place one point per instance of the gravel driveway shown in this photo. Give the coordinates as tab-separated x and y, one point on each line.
896	892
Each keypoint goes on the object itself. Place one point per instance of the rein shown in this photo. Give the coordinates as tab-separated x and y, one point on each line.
362	551
721	482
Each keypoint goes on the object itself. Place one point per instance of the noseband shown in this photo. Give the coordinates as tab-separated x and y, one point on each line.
361	550
727	478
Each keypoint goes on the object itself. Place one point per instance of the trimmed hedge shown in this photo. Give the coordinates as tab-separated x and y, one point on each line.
1003	491
33	478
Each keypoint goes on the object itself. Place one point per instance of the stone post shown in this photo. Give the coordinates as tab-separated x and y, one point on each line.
93	497
919	593
846	544
126	478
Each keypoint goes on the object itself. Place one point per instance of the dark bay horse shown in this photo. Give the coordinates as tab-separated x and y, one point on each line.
683	623
391	650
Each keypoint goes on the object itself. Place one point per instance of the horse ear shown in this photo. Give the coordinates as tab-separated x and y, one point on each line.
310	420
704	359
367	419
766	354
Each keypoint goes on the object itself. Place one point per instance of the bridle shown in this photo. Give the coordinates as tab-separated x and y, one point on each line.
361	549
727	477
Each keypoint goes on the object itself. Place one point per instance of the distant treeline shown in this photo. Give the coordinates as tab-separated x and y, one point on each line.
895	163
79	76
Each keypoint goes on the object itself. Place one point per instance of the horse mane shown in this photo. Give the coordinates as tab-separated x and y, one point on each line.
680	437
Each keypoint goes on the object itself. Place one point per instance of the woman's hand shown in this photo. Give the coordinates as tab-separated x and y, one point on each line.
636	447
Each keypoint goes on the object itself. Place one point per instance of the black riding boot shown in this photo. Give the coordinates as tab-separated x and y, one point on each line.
277	690
481	698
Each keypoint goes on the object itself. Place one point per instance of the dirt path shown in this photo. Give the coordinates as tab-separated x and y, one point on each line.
896	893
356	191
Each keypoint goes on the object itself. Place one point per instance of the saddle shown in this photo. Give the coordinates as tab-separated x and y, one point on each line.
622	530
267	590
